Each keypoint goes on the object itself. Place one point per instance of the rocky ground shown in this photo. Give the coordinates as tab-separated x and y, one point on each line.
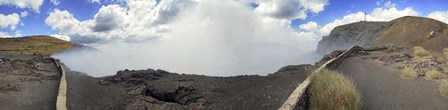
159	89
28	84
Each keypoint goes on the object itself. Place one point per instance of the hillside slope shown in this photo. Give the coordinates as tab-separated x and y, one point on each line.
30	45
415	31
406	31
345	36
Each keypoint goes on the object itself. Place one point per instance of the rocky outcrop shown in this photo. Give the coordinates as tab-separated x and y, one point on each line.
345	36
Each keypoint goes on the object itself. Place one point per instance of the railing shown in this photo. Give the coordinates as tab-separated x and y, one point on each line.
297	100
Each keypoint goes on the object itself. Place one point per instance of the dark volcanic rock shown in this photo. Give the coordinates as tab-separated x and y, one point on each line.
161	90
135	77
183	95
292	69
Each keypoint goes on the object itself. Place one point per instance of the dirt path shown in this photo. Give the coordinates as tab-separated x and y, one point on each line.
383	89
28	84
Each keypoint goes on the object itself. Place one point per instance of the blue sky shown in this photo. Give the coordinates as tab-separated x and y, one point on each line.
82	10
339	8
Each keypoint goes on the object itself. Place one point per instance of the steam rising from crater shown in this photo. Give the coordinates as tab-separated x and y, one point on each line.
212	38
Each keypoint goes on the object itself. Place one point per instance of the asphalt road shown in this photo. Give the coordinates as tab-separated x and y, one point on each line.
383	89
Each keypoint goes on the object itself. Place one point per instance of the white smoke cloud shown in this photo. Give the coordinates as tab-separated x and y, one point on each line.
213	37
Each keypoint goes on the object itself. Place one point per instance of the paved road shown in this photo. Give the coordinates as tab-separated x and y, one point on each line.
383	89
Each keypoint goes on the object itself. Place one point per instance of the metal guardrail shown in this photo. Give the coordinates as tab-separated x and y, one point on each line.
297	96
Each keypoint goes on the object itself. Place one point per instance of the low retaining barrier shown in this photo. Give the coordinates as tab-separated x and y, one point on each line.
61	101
298	98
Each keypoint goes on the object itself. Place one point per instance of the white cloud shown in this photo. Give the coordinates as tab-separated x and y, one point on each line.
439	15
141	20
32	4
108	18
55	2
63	21
283	11
10	21
95	1
4	35
62	37
381	14
389	4
310	26
24	14
289	9
18	33
109	1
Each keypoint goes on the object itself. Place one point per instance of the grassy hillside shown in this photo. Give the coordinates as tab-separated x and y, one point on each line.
40	45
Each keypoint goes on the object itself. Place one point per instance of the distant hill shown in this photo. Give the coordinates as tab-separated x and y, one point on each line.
406	31
33	45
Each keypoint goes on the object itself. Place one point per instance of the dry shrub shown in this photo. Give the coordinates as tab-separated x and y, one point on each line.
330	90
420	54
433	74
408	73
443	88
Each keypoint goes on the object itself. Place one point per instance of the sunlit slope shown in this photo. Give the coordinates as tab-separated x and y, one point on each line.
415	31
33	45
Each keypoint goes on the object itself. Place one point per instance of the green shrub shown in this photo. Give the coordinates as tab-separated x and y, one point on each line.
408	73
330	90
420	54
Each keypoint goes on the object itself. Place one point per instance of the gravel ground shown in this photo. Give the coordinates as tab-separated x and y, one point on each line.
28	84
158	89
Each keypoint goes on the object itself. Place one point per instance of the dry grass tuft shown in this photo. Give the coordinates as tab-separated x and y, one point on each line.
331	90
443	88
408	73
433	74
420	54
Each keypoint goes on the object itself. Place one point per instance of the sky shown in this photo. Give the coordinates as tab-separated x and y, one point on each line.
210	37
31	17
